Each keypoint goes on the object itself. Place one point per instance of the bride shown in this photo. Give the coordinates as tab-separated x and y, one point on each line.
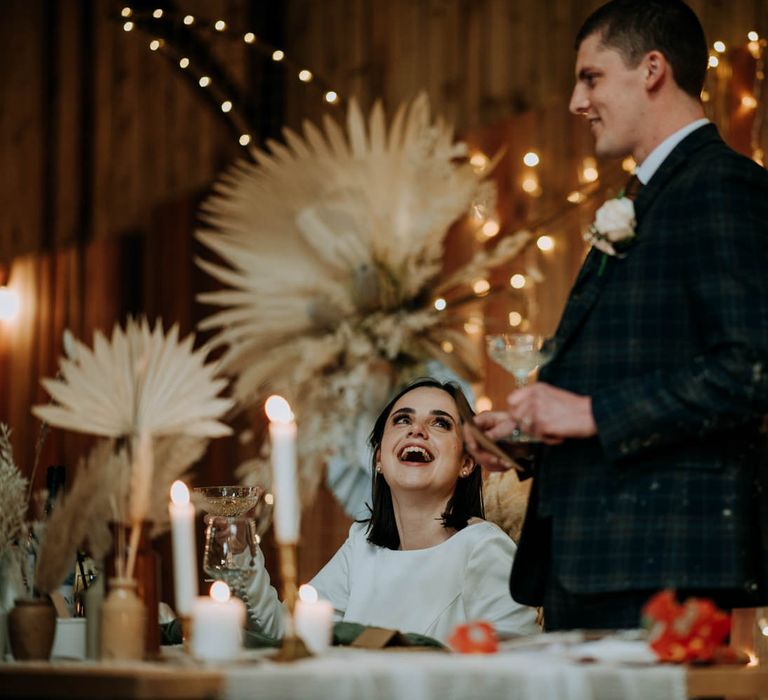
425	561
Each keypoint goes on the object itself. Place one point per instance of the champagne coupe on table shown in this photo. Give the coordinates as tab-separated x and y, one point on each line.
520	354
237	517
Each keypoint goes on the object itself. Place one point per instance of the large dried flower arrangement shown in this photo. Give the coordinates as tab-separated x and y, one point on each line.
155	403
330	248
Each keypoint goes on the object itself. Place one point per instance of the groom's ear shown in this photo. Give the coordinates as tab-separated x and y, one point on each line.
656	70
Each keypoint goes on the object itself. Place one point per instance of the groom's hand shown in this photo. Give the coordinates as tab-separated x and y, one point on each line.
550	414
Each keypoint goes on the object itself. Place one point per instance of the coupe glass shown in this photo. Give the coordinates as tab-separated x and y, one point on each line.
231	547
229	501
520	354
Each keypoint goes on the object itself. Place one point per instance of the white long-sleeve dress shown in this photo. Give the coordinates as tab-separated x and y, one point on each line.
427	591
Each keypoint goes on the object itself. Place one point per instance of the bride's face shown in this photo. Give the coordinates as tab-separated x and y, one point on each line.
422	447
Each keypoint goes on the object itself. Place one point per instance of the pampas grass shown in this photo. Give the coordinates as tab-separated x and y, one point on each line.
102	493
13	493
85	509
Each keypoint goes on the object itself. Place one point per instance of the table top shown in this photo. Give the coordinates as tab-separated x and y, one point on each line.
89	680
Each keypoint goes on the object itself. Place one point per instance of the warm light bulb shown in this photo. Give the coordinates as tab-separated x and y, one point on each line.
307	594
9	304
481	287
269	499
184	62
748	102
331	97
491	228
753	36
244	139
704	96
530	184
179	493
517	281
305	75
515	318
440	304
128	26
447	346
220	25
719	46
576	197
278	410
155	44
204	81
126	12
589	172
629	164
714	61
278	55
474	326
479	161
226	106
249	38
484	403
157	14
189	19
545	243
531	159
220	592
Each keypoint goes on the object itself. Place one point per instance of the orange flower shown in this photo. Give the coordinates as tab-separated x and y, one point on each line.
689	632
477	637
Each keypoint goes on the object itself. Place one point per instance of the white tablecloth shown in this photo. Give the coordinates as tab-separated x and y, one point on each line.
350	674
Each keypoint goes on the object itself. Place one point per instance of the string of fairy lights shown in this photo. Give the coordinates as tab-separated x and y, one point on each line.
166	29
178	37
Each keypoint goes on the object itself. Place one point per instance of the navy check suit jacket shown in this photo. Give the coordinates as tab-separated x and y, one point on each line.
671	343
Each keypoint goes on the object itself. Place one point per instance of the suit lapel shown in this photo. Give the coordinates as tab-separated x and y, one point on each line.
672	164
589	284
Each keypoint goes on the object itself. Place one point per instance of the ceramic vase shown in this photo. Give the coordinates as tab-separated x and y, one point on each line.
31	628
123	620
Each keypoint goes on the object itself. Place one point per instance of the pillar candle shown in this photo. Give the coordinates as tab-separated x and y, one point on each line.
182	514
217	625
282	433
313	620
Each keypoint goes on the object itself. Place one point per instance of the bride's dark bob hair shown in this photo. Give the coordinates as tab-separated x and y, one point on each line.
467	499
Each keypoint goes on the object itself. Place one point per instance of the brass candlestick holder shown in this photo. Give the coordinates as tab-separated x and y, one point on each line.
293	647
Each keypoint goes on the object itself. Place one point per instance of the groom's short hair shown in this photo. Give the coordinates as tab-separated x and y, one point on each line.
635	27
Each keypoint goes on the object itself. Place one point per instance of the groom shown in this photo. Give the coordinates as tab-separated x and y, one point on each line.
653	472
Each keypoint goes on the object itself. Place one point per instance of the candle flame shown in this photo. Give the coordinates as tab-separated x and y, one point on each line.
220	592
278	410
179	493
307	594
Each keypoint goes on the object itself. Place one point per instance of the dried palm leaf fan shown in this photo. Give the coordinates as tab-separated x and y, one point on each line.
330	247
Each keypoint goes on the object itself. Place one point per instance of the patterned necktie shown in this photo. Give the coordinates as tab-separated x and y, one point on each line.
633	187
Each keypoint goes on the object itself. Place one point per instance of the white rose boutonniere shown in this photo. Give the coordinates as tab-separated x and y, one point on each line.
614	227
